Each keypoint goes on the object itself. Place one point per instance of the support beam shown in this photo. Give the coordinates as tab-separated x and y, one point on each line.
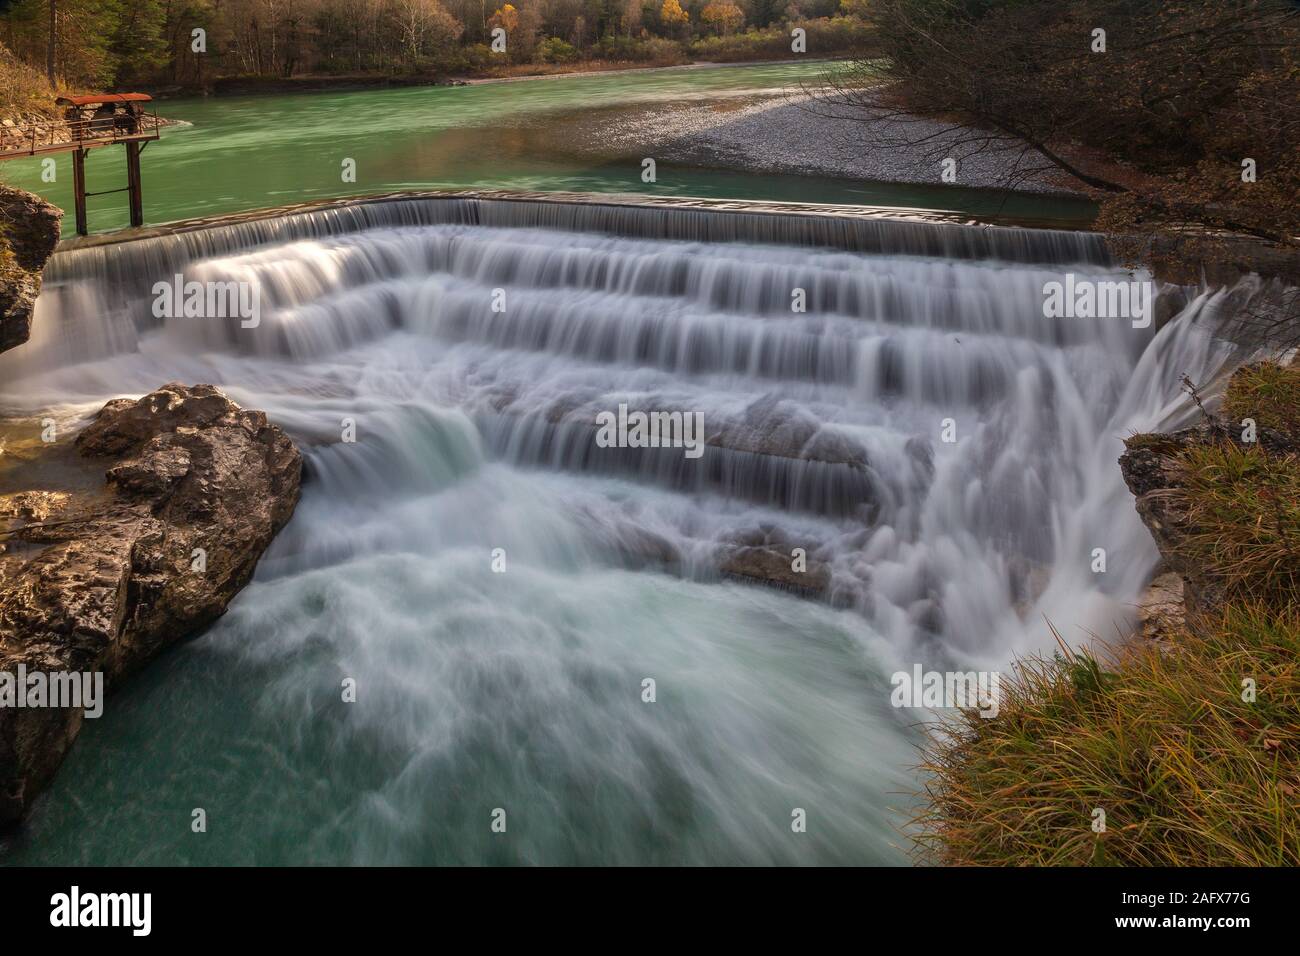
79	189
134	184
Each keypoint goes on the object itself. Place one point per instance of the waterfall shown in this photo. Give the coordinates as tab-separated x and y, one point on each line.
668	222
473	344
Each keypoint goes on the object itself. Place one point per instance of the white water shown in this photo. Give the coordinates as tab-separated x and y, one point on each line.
475	431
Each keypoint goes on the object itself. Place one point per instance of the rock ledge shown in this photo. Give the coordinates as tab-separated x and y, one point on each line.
197	488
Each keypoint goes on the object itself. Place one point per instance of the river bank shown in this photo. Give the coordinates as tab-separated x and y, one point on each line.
251	85
539	133
791	133
1183	750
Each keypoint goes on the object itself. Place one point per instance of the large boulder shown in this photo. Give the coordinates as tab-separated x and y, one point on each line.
197	488
29	231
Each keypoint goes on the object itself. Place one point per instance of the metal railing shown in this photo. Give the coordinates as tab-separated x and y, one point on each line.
50	136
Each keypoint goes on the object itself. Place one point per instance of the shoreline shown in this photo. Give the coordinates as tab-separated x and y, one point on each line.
276	86
615	68
787	133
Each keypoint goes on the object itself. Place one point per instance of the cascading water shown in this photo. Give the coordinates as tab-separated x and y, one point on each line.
476	431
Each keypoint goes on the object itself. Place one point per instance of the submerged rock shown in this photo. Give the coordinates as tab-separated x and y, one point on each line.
766	555
198	487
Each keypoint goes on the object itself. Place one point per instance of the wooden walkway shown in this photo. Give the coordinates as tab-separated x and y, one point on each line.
63	136
119	119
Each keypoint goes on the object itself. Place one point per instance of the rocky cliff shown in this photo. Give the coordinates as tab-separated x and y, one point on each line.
29	231
1153	470
196	490
1221	494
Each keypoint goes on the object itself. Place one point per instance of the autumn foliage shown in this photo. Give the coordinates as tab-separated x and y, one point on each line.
722	15
672	14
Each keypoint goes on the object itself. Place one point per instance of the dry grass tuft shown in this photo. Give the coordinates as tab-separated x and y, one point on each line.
1190	767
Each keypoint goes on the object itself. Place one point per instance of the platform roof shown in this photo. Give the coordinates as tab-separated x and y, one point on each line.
95	99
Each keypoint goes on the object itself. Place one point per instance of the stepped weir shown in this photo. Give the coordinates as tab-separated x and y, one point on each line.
940	452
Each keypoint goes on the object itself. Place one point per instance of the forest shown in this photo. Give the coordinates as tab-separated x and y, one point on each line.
107	44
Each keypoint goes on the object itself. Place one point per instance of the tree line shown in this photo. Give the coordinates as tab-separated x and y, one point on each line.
1186	111
105	44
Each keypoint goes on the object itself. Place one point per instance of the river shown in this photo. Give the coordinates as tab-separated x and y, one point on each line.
521	688
253	152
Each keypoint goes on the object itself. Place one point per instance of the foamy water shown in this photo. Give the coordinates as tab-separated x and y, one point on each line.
475	431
